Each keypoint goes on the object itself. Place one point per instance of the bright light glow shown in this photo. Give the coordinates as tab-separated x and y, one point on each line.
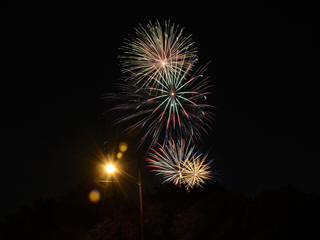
119	155
123	147
94	196
110	168
163	63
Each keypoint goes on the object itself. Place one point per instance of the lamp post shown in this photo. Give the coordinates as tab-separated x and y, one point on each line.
140	202
111	169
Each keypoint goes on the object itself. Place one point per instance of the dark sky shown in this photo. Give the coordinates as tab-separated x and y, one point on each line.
57	61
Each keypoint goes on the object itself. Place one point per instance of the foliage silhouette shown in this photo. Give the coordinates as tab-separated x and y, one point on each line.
214	213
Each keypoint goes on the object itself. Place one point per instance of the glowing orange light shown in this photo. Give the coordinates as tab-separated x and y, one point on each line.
94	196
110	168
119	155
123	146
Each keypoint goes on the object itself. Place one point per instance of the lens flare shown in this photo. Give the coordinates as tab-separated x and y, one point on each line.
123	147
156	50
94	196
119	155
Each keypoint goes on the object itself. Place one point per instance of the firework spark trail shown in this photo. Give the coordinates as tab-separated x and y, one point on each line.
180	164
176	109
156	51
196	171
165	97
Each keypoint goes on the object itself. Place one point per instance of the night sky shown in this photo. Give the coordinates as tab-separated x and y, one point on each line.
58	61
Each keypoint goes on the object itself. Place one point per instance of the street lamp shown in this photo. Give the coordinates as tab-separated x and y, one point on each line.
110	168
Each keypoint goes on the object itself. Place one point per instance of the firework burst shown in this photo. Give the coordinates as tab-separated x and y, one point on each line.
180	164
196	171
165	97
166	160
156	51
177	108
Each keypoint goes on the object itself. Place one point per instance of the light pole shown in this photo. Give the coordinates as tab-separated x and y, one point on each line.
141	202
111	169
